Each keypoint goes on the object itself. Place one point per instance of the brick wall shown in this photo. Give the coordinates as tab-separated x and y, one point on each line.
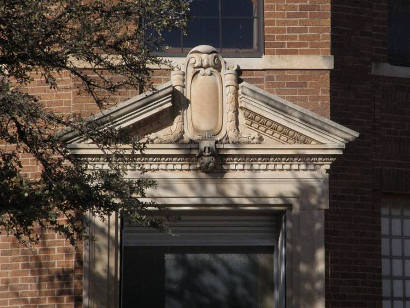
47	276
297	27
378	108
306	88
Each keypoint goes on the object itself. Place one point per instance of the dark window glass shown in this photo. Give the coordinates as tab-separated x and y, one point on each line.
238	8
205	8
245	37
399	32
173	38
202	31
234	27
200	277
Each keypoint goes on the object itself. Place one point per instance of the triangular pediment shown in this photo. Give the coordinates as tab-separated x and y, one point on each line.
203	101
267	117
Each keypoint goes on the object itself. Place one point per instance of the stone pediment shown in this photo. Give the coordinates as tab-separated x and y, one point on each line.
203	111
204	101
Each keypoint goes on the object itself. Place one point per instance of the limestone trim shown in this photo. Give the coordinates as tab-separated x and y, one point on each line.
284	163
91	150
267	62
388	70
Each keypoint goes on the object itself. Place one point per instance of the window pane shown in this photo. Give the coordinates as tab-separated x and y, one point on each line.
386	287
397	288
407	282
406	227
396	247
397	268
386	304
385	266
399	29
144	273
180	277
238	33
385	247
218	280
202	32
396	226
172	39
238	8
407	269
397	304
385	226
204	8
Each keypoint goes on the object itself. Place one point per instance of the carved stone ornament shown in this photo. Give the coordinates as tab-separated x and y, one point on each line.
211	90
205	101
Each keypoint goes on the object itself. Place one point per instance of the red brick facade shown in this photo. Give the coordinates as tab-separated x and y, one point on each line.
354	32
377	164
297	27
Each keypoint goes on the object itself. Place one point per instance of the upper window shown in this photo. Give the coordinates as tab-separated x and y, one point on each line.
234	27
399	29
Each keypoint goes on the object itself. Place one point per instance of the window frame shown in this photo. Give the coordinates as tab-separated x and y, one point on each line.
161	239
229	54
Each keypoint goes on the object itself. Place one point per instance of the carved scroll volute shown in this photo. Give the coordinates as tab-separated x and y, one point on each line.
205	115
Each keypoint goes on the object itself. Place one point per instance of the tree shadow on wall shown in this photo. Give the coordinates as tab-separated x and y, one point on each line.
57	273
49	272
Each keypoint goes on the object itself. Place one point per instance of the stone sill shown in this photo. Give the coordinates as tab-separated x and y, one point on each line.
388	70
270	62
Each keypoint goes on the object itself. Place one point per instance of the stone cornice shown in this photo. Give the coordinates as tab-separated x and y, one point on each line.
252	157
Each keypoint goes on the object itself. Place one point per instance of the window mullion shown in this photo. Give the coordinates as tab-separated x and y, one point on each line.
220	24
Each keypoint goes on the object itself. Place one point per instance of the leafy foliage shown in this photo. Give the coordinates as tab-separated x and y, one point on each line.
114	39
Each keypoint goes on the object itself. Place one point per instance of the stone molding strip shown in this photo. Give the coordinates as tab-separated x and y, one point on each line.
388	70
269	62
266	62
